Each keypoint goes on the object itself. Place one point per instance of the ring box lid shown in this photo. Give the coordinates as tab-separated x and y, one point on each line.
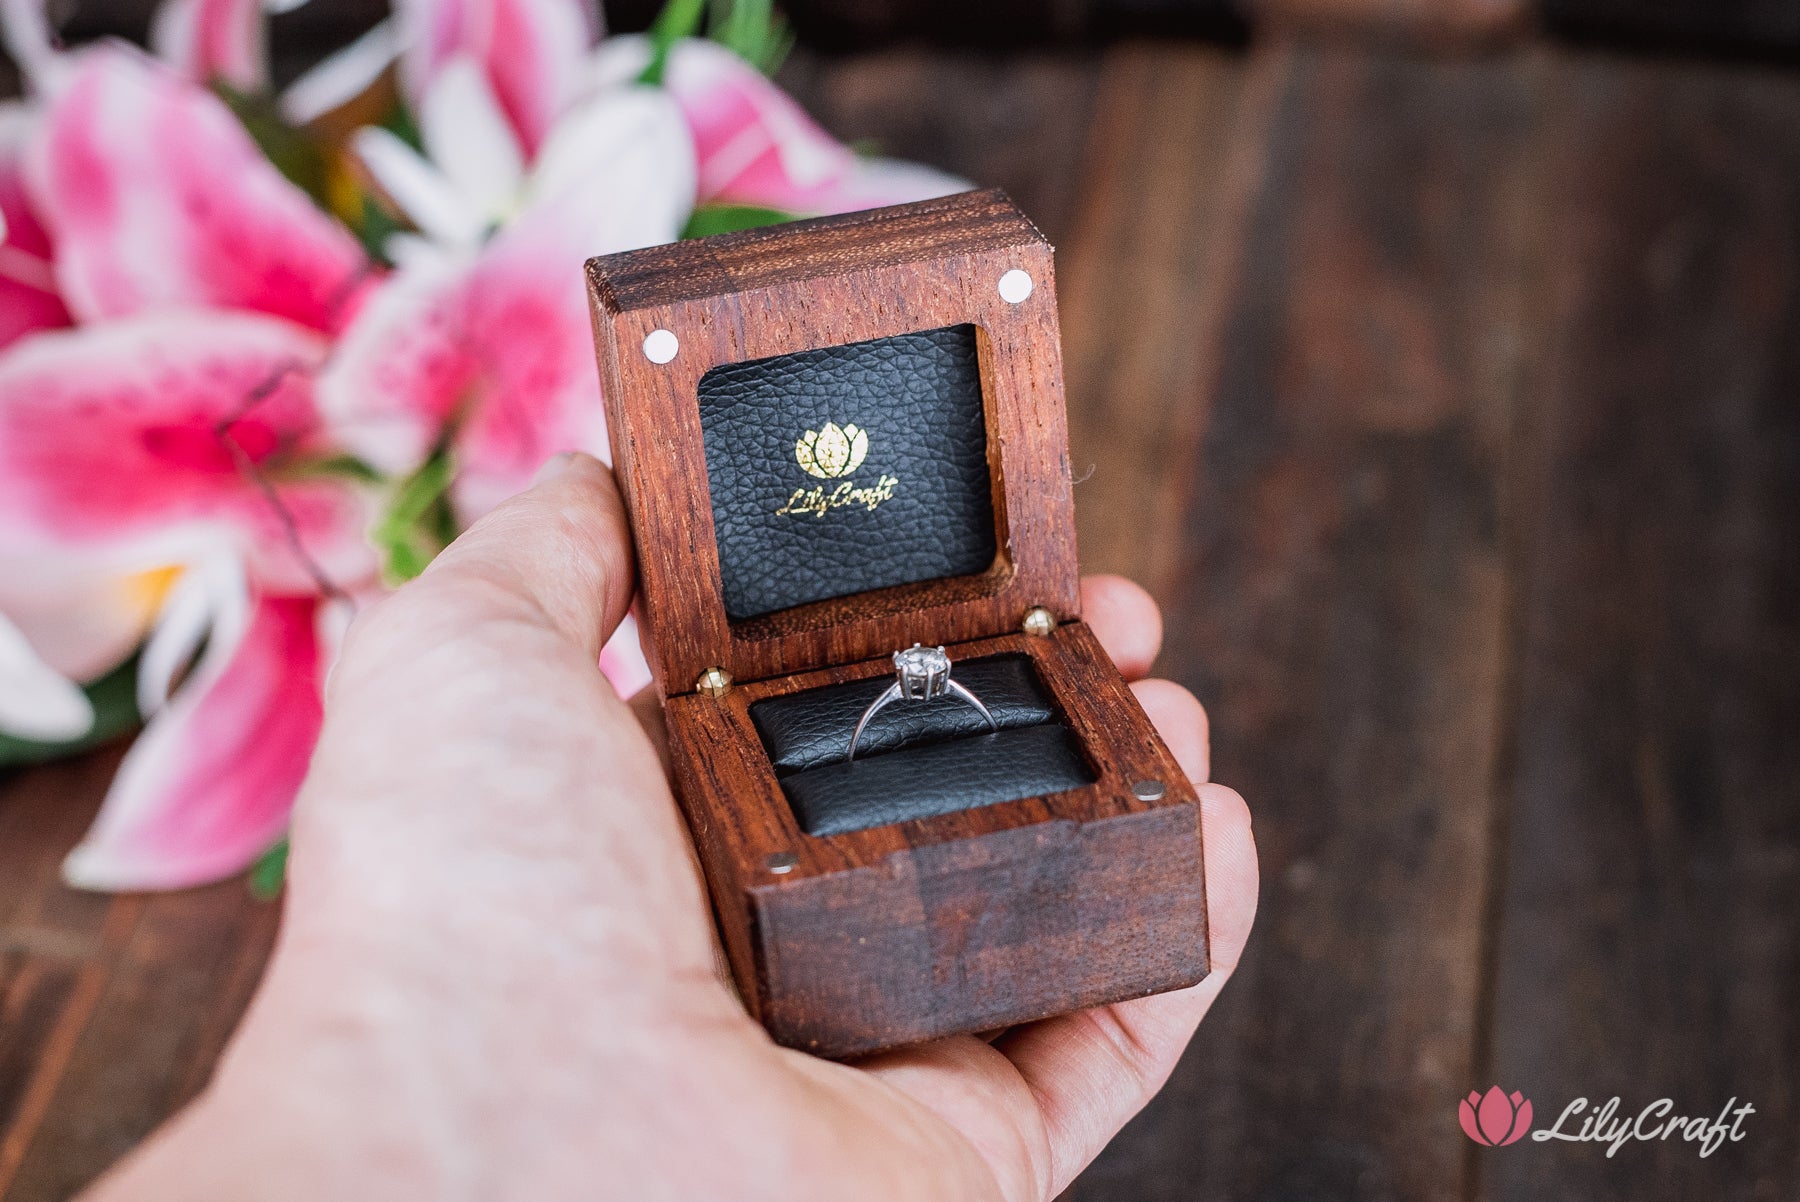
834	282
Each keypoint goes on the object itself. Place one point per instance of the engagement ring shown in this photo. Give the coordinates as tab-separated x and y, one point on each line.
921	674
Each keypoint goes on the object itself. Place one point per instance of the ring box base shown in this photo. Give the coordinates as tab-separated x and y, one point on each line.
964	922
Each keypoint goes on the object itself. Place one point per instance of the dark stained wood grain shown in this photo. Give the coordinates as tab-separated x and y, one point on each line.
1019	123
1174	158
1651	932
1341	610
112	1009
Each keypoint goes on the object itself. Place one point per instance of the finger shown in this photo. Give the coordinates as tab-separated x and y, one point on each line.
1126	621
1092	1071
560	552
1181	720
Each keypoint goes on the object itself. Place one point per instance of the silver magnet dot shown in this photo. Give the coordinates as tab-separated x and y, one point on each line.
660	346
1147	790
1015	286
782	863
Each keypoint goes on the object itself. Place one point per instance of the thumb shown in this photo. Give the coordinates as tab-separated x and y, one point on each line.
561	550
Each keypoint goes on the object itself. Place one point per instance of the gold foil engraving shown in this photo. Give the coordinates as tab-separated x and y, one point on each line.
818	502
832	451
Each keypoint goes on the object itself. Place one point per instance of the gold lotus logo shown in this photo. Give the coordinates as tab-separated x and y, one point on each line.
832	451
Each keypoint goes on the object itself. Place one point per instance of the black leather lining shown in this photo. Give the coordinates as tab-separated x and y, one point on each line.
804	730
917	759
912	501
943	778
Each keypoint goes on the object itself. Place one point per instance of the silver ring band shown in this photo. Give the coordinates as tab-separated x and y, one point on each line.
921	674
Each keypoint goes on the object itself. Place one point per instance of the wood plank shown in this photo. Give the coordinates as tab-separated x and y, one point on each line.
1651	942
1017	123
1342	612
169	1003
1143	276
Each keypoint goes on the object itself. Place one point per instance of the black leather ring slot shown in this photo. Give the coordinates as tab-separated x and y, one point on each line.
941	778
805	730
918	759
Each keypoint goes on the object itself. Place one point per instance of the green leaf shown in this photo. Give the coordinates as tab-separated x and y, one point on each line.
418	523
723	219
294	154
753	30
114	698
342	467
269	872
678	19
378	223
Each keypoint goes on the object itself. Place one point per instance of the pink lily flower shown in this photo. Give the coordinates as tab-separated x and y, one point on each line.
756	146
166	443
191	426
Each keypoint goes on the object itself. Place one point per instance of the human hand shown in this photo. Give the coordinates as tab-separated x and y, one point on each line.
497	972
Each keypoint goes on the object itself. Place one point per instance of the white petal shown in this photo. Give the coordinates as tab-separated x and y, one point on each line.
212	600
36	702
342	75
419	189
617	61
622	164
469	138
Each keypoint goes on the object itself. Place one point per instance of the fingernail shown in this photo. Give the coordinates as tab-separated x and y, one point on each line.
554	466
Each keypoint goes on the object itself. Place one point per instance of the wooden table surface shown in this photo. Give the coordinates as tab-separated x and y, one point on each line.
1452	409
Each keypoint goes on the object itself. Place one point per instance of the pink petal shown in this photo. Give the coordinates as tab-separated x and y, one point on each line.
1465	1114
214	40
405	365
209	784
156	197
532	352
756	146
532	52
28	297
173	423
502	347
1495	1115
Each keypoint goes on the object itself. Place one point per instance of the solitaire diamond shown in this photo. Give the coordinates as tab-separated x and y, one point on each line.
924	672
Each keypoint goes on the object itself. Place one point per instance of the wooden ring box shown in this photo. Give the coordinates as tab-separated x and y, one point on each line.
968	921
